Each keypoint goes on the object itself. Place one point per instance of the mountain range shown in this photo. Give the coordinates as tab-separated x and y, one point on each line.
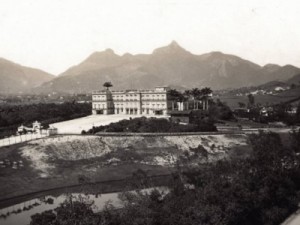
15	78
170	65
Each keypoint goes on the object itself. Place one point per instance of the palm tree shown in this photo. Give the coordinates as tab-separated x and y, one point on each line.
187	94
107	84
196	93
205	92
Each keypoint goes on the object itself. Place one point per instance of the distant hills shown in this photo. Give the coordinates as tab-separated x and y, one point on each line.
170	65
273	92
15	78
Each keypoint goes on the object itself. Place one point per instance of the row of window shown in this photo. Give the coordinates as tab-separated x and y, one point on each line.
99	106
102	106
143	104
99	96
129	95
135	111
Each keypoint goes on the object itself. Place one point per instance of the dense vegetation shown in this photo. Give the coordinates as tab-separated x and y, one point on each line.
276	113
282	112
11	116
155	125
219	111
195	94
262	190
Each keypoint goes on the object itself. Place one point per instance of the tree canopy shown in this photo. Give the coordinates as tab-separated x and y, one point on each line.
107	84
195	93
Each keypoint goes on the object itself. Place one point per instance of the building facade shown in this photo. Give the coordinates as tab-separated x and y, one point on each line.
133	102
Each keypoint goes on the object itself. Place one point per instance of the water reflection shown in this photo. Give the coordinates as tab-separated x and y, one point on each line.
20	214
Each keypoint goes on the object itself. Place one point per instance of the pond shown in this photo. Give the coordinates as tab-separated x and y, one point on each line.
20	214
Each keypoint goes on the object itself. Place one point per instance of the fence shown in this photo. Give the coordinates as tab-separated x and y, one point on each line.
15	139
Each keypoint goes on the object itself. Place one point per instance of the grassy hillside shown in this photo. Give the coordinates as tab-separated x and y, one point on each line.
232	100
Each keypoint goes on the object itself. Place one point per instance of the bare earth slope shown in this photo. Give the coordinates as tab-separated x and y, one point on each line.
60	160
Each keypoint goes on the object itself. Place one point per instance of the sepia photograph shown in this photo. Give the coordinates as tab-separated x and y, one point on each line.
149	112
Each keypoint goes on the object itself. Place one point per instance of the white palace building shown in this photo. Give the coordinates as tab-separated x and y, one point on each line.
142	102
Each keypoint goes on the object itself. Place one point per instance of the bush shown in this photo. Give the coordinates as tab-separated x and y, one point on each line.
154	125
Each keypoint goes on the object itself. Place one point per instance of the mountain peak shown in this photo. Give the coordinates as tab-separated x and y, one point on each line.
270	68
127	55
218	53
215	55
174	44
109	51
172	48
271	65
106	55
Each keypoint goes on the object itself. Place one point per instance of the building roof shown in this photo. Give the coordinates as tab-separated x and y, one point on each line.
146	91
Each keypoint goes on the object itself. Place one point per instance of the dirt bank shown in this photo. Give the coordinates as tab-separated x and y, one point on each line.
69	159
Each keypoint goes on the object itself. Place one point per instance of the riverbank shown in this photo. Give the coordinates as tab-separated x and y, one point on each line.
96	188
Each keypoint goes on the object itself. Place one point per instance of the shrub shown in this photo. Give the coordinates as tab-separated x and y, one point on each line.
154	125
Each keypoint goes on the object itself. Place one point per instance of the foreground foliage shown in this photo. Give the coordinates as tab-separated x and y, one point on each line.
262	190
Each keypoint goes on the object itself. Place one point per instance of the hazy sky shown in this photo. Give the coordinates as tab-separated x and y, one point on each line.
55	34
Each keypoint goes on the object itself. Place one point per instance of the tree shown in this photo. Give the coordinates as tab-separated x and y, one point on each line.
205	91
220	110
251	100
175	95
74	210
196	93
298	113
295	140
107	85
187	94
241	104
